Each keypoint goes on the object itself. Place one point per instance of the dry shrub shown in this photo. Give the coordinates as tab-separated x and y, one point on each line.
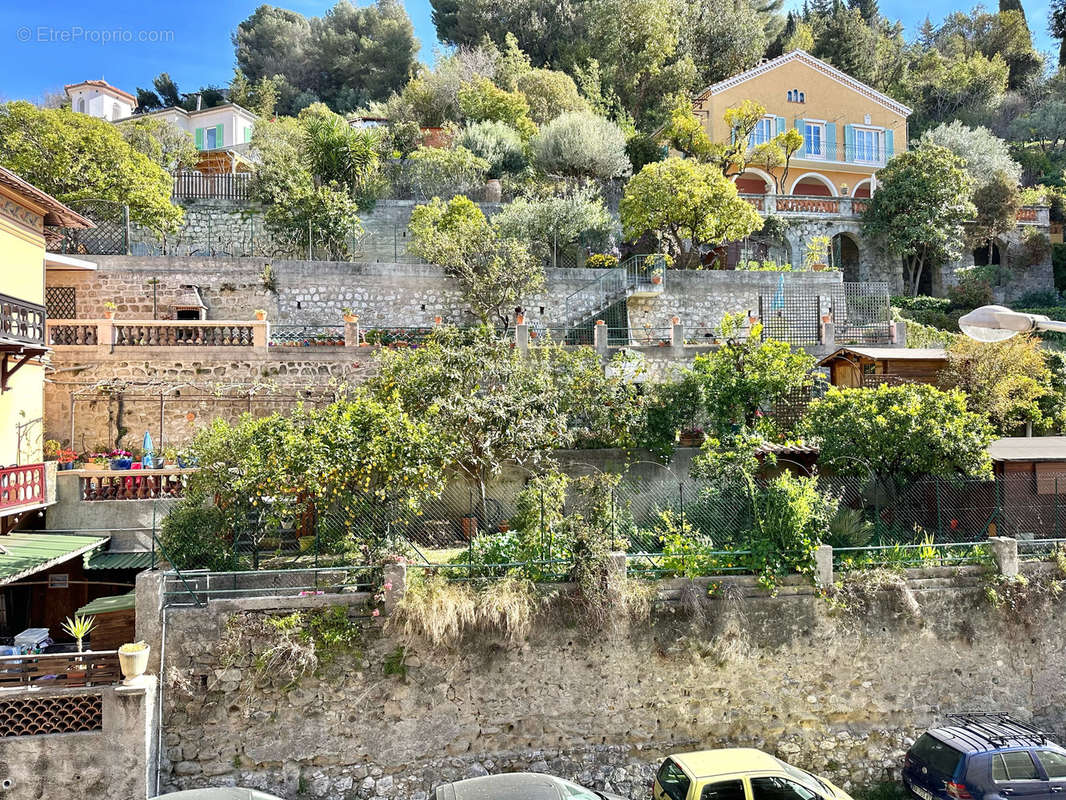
856	594
441	613
509	607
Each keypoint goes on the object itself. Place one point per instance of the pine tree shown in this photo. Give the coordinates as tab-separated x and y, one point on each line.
1012	5
869	10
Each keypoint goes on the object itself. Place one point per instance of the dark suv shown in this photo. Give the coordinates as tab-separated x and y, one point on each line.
985	756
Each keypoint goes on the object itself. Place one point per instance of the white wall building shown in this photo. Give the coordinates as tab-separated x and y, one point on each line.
100	99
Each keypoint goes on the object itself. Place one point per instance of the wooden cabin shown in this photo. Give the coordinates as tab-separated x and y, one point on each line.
1041	457
869	367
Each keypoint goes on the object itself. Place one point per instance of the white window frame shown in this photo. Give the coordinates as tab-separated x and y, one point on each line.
879	146
771	126
820	125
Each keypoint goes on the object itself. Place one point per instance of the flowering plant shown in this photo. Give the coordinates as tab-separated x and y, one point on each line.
120	454
66	456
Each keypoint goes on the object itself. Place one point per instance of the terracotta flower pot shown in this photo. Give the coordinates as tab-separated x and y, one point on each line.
656	279
819	267
260	315
109	315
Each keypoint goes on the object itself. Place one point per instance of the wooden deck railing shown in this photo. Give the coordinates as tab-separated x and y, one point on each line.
194	185
61	669
130	484
22	486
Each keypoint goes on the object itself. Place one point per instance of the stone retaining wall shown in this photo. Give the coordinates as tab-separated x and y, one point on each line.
388	294
842	695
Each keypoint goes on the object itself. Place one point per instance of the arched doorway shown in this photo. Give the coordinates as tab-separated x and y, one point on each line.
862	189
845	256
983	255
753	181
812	184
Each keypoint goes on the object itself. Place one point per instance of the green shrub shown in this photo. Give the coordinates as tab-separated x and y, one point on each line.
497	143
849	528
970	293
1041	298
686	553
922	302
192	538
792	518
1058	264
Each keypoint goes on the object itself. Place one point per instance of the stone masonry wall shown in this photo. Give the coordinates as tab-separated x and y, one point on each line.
387	295
842	695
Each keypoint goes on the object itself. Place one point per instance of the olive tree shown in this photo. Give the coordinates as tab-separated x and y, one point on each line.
580	144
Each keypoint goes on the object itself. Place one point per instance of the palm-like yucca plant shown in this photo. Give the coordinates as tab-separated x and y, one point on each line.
78	628
337	153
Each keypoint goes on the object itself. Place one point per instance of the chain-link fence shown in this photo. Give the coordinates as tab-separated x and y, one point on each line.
668	525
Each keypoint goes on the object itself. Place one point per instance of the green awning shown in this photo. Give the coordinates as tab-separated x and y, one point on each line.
105	559
103	605
22	553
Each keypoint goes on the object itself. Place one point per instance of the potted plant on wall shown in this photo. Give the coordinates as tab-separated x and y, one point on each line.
260	314
120	459
109	310
817	253
350	316
133	661
65	458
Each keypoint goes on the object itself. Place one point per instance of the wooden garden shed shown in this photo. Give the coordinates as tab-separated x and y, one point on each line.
868	367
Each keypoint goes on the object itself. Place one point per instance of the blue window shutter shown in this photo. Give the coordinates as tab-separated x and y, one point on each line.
801	127
780	126
219	141
849	143
831	141
199	138
889	145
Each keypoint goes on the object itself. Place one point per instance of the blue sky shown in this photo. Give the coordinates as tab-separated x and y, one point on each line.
46	44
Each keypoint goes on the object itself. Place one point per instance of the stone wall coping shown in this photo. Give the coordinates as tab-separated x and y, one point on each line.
237	604
289	269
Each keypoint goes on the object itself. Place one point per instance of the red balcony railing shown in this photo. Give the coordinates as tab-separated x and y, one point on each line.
21	486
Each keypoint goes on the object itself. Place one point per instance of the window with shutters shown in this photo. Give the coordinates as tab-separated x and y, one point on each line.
212	138
869	146
814	139
764	131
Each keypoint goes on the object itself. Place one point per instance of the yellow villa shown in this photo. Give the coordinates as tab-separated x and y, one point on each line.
24	212
849	129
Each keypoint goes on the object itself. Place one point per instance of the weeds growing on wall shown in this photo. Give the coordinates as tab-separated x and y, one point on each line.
855	596
1026	599
441	612
291	646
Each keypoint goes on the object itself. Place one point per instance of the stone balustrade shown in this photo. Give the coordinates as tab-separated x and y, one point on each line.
111	335
853	207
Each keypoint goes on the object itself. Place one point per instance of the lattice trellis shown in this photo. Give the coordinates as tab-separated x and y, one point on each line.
61	302
862	313
38	716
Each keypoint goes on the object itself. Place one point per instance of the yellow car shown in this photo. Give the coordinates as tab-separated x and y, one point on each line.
738	774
